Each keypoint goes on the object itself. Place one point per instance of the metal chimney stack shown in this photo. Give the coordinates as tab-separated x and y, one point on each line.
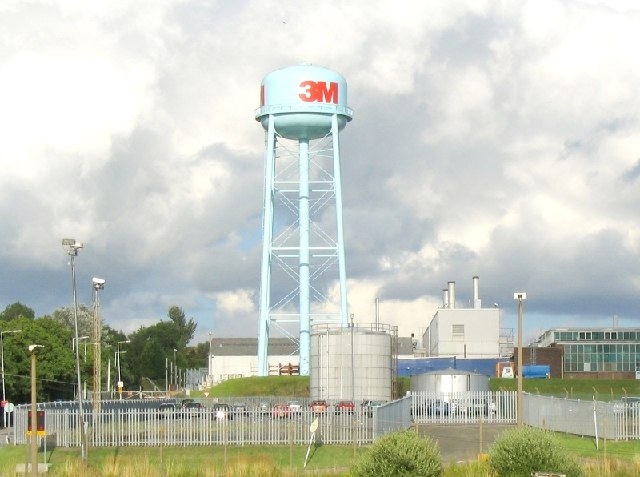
452	295
477	303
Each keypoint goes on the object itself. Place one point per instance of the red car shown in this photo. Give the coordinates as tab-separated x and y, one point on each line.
345	406
319	406
281	410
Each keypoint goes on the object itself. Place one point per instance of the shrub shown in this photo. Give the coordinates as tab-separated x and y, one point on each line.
399	454
521	451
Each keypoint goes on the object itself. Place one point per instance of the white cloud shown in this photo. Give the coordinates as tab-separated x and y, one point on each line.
489	137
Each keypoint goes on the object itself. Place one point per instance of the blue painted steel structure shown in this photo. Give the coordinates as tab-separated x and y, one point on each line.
305	104
413	366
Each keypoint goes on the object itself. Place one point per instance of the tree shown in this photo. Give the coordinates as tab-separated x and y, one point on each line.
186	329
197	356
151	348
16	310
65	316
55	365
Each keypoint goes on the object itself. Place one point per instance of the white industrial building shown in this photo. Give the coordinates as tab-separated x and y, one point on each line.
464	332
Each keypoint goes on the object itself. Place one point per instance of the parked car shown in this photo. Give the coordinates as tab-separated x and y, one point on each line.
240	409
221	411
294	407
368	405
263	408
476	406
167	409
319	406
432	407
345	407
281	410
192	408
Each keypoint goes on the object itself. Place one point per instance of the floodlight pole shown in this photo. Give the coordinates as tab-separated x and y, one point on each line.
520	296
98	284
72	250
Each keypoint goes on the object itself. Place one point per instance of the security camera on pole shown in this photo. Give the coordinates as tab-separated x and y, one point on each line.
98	284
72	246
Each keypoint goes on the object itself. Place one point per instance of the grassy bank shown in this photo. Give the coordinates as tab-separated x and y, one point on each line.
585	389
611	459
298	386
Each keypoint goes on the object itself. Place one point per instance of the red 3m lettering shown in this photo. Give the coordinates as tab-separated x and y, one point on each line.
319	92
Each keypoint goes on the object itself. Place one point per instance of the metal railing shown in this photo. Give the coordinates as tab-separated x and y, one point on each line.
149	426
253	422
467	407
615	420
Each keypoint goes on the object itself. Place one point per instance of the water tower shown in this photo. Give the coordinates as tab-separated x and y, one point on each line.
302	109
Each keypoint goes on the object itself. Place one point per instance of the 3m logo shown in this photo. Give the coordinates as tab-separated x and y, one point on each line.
319	92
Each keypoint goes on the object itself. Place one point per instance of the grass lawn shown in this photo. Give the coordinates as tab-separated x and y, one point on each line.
611	459
585	389
187	461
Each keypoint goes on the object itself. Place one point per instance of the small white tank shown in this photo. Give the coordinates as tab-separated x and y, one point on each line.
449	381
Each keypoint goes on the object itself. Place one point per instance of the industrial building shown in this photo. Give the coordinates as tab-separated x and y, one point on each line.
466	332
596	352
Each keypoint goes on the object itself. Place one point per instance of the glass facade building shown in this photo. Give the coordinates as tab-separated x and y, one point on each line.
596	349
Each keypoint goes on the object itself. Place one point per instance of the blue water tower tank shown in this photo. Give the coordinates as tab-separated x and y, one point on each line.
303	99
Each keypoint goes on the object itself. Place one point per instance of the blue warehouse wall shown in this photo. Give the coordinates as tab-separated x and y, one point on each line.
409	367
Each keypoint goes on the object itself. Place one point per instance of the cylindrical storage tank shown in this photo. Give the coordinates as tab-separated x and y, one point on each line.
351	364
449	381
303	99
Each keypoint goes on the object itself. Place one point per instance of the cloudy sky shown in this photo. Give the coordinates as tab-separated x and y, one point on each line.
490	138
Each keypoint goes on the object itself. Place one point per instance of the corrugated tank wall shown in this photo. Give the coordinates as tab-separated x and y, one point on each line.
352	363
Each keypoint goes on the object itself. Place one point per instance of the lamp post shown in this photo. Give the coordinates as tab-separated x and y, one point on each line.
175	369
98	284
210	358
34	410
520	296
72	247
118	353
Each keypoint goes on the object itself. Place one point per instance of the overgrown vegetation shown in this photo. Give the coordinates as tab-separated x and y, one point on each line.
521	451
399	454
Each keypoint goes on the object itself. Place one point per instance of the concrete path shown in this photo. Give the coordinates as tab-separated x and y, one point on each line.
463	442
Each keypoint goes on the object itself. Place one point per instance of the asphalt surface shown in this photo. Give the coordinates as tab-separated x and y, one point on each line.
464	442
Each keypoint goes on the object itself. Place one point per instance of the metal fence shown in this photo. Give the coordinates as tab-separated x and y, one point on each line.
142	424
609	420
469	407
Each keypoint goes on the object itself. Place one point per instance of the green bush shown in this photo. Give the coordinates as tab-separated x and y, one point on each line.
521	451
399	454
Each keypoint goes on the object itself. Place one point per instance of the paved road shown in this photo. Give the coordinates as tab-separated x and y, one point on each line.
465	441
